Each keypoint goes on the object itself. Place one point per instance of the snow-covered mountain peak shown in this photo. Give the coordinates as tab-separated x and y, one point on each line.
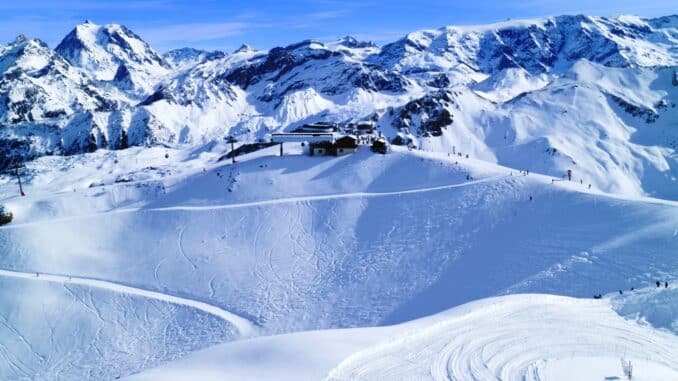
352	42
49	106
537	45
670	21
244	48
19	39
28	55
352	47
184	58
493	75
102	49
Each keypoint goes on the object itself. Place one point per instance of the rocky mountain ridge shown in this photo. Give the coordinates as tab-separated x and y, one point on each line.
489	90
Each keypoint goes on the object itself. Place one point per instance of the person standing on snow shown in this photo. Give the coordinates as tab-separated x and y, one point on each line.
658	283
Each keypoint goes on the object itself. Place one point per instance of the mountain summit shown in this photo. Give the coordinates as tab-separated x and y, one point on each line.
511	92
103	49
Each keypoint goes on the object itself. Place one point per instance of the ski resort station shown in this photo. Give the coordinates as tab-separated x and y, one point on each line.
325	139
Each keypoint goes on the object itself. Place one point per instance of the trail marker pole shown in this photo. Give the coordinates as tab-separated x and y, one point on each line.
630	370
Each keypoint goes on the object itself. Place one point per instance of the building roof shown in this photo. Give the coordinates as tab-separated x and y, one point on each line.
302	137
347	141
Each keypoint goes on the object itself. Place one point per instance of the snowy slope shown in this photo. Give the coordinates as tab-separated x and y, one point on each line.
298	243
523	337
159	249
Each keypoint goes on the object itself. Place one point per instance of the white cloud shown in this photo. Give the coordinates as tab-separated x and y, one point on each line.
193	32
326	15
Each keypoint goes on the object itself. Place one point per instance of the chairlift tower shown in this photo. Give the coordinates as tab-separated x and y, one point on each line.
232	140
16	169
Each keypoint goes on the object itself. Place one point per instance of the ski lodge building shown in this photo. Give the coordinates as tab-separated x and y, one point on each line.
320	144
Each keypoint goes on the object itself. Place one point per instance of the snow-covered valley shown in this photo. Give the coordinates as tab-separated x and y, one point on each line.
140	251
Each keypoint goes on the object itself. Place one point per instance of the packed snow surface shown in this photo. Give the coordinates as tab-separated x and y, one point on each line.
520	337
137	243
274	245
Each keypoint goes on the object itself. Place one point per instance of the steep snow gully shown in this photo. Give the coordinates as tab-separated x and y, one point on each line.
244	327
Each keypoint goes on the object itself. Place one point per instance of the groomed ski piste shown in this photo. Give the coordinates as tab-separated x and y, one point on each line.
244	327
517	337
144	256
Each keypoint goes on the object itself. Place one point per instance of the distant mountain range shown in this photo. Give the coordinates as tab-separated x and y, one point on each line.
593	94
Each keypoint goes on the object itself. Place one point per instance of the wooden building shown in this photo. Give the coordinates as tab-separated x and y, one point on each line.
346	145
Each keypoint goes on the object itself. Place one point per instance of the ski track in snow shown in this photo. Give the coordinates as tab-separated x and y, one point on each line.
244	326
512	339
278	201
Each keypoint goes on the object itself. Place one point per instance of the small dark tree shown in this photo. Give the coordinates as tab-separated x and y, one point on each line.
123	140
5	216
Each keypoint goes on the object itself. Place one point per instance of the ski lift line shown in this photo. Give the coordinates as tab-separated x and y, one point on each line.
244	326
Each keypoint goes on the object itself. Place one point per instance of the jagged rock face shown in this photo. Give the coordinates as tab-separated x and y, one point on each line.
426	116
646	114
312	65
278	62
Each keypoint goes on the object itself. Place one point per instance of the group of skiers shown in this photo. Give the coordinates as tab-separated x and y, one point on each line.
621	292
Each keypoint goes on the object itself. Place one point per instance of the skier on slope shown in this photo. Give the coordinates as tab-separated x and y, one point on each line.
666	284
658	283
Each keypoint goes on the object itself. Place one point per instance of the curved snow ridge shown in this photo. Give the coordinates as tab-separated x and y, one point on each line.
244	326
520	337
278	201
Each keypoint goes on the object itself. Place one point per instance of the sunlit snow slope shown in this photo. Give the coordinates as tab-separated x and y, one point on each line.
522	337
296	243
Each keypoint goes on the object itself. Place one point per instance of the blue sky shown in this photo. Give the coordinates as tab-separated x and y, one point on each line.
225	24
